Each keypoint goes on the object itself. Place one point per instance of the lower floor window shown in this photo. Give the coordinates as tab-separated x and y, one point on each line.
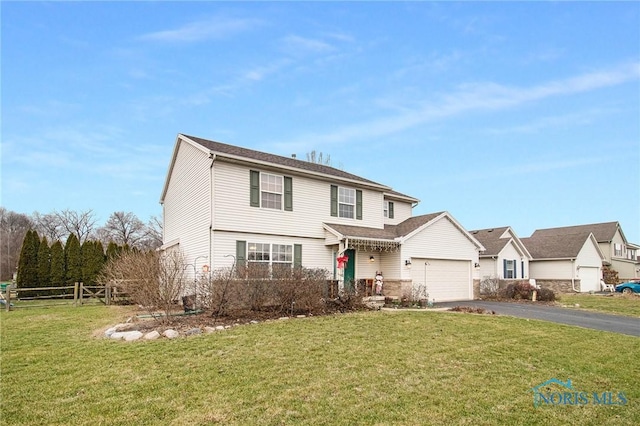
268	259
510	269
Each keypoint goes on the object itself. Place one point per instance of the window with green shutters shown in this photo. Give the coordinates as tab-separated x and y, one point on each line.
270	191
346	202
272	256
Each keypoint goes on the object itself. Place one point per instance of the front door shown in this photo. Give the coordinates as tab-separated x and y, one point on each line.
350	270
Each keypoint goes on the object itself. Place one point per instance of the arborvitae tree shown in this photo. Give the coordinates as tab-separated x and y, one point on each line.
92	261
28	262
44	264
73	260
113	250
58	275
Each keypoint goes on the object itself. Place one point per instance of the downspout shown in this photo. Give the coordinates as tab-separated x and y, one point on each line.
212	156
573	276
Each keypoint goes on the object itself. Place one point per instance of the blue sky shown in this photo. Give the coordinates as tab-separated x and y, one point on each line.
523	114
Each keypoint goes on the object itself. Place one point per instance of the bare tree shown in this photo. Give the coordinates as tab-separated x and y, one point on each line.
80	223
125	228
153	280
49	225
153	234
13	227
318	158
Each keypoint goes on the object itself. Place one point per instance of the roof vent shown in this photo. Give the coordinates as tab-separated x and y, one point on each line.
490	230
293	156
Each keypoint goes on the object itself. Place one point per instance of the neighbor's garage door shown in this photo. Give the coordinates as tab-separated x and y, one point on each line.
589	279
446	280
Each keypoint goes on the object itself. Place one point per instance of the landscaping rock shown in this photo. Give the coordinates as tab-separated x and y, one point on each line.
193	331
209	329
130	336
152	335
170	334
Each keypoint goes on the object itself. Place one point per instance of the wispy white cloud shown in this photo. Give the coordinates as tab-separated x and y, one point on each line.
215	28
298	46
472	97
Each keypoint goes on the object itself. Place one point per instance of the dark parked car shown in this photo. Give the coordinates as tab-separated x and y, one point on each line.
629	287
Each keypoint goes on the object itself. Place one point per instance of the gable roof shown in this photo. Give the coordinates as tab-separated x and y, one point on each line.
494	240
232	153
603	232
397	232
554	246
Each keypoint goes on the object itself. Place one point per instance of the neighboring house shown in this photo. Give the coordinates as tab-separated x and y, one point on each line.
619	254
565	262
505	256
223	203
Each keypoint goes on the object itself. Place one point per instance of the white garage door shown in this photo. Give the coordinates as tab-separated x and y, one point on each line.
446	280
589	279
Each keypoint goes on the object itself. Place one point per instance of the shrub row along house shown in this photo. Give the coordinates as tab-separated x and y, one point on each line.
226	206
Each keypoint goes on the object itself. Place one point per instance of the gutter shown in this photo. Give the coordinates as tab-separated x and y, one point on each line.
212	156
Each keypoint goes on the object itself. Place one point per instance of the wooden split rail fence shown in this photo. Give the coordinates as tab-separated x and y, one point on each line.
76	294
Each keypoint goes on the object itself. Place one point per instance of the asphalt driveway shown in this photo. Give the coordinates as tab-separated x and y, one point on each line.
570	316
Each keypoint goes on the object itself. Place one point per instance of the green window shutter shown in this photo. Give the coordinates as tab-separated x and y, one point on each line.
254	188
297	255
358	204
241	253
334	200
288	194
390	209
504	268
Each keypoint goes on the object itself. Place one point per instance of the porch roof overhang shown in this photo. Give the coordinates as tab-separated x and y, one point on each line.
363	238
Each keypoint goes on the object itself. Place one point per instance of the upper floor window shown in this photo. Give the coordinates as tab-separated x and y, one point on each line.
388	209
346	202
631	254
617	250
271	191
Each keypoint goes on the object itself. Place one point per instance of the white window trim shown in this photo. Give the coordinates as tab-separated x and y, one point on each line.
352	194
263	190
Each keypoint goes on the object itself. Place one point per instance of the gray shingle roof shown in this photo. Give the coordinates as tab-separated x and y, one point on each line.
490	239
555	246
603	232
250	154
389	232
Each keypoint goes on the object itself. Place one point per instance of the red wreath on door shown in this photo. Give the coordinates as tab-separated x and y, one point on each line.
342	260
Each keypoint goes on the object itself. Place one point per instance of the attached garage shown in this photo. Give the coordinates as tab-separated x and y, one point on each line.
589	279
445	279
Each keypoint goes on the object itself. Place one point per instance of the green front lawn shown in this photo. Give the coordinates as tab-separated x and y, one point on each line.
372	368
614	303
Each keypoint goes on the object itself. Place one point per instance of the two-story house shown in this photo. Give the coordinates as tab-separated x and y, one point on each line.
617	252
224	204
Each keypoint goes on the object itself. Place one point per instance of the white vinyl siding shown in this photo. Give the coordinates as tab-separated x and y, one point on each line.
311	197
187	205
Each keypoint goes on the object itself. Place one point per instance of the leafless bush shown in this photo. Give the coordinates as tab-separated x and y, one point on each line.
282	290
153	280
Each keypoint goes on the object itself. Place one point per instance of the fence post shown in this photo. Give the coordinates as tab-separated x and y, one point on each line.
7	299
81	292
107	294
75	294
